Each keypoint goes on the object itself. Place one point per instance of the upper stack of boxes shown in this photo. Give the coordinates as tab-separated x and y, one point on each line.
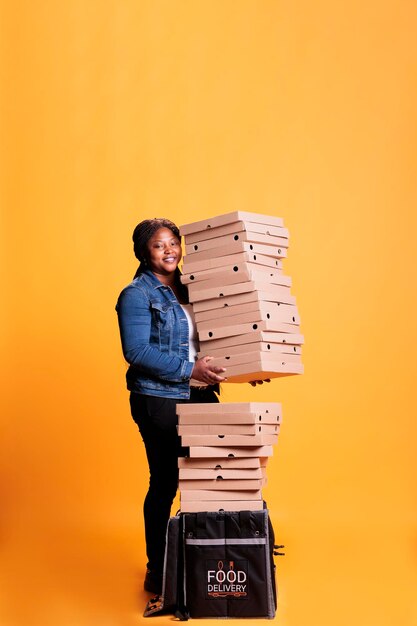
245	314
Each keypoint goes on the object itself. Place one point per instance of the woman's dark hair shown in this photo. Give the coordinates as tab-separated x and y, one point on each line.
141	235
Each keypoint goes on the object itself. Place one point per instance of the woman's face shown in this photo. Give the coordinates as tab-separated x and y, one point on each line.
164	252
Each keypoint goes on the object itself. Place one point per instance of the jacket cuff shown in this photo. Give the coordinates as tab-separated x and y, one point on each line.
187	370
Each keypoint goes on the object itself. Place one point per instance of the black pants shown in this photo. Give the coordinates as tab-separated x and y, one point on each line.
157	421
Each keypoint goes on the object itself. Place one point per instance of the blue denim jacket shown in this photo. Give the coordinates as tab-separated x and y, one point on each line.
154	333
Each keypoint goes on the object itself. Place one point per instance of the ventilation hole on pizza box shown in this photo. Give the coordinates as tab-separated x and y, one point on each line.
268	316
254	257
259	428
219	477
220	436
260	418
278	303
196	247
251	247
255	326
210	334
236	237
227	358
267	411
221	510
268	346
221	295
235	269
218	467
230	455
279	250
293	318
295	349
192	277
225	304
208	226
276	262
267	232
284	341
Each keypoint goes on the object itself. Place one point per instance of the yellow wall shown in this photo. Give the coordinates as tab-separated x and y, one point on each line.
113	111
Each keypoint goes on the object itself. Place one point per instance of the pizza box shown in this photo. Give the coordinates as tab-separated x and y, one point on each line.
200	474
253	357
234	247
286	312
239	272
275	293
227	218
237	228
232	483
231	453
229	440
229	419
216	408
190	506
189	266
236	299
241	329
227	429
260	370
214	463
247	235
288	339
220	494
273	348
259	315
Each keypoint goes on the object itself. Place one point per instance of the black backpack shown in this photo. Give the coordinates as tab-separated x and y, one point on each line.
218	565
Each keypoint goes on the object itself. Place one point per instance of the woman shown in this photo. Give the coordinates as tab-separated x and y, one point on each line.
159	342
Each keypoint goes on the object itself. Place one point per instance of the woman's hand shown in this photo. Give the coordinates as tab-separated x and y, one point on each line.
259	382
206	373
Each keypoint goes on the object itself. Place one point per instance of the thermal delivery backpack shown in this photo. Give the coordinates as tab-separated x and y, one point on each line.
218	564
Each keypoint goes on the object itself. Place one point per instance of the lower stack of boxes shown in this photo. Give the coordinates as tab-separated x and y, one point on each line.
229	448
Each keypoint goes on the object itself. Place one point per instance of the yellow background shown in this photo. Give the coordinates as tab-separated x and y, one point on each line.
113	111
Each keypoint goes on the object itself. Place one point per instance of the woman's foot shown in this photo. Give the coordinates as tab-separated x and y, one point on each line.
153	582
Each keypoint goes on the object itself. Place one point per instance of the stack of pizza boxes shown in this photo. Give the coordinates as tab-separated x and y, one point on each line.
247	320
245	315
229	447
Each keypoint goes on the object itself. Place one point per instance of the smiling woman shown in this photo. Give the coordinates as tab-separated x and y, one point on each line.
160	344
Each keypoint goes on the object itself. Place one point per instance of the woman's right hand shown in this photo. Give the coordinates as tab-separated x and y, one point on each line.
206	373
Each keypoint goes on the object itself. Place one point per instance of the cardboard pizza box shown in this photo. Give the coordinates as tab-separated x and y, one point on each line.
190	266
275	293
190	506
223	474
247	235
221	485
234	247
227	429
236	228
227	419
273	348
219	463
229	440
258	315
230	453
260	370
267	337
227	218
239	272
217	408
285	312
237	299
241	329
220	494
253	357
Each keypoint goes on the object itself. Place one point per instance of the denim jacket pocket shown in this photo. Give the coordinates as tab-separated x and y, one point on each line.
164	318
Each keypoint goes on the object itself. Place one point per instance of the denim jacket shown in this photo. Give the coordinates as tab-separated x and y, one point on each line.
154	333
